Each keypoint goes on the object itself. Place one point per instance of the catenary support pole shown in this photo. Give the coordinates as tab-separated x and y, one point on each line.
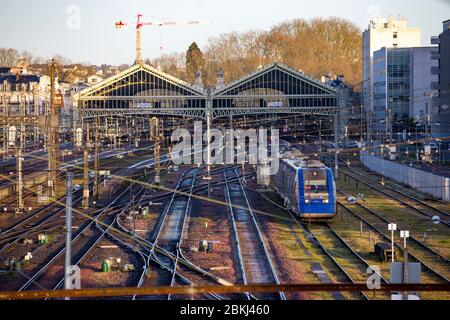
19	160
336	147
96	160
68	258
86	170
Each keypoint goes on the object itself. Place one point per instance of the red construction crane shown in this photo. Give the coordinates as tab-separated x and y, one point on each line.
139	24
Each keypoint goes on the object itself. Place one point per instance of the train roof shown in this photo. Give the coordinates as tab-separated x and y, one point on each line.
303	162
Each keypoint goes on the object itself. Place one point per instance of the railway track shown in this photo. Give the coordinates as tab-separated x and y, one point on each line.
255	263
172	265
37	223
104	229
11	200
198	187
383	221
417	250
10	176
37	220
439	169
85	239
335	248
409	201
47	224
7	176
161	272
45	219
170	225
170	229
424	251
342	255
152	268
121	238
28	220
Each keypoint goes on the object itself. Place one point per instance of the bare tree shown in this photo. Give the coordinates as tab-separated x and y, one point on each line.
316	47
8	57
173	64
60	60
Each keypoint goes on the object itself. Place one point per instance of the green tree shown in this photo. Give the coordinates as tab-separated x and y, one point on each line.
194	62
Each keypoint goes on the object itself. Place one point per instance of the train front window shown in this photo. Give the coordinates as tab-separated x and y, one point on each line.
315	184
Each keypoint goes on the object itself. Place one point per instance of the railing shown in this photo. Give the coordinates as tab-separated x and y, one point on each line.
189	291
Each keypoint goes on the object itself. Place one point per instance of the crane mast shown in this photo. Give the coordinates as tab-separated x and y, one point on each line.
139	24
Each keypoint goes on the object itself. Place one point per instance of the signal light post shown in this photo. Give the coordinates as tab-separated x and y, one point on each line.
68	253
405	234
392	227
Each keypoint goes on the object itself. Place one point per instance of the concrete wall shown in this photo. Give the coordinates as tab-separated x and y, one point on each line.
426	182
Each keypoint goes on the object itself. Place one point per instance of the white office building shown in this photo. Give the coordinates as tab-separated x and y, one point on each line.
402	89
383	33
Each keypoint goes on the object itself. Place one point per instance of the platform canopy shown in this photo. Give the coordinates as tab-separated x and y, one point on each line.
142	89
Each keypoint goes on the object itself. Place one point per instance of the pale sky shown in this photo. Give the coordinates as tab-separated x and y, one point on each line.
43	27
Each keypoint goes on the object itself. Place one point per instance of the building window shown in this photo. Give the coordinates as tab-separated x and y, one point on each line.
395	35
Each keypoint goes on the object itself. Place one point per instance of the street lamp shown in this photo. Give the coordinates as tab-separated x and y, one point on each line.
392	227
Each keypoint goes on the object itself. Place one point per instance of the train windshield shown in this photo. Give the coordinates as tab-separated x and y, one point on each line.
315	184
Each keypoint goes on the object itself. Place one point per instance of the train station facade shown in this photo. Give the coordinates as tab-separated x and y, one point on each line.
144	90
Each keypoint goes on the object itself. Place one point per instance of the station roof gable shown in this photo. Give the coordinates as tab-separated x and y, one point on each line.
251	81
98	87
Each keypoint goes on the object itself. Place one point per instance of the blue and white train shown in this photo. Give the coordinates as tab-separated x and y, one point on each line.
307	187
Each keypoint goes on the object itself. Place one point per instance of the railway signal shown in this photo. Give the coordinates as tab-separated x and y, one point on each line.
405	234
392	227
